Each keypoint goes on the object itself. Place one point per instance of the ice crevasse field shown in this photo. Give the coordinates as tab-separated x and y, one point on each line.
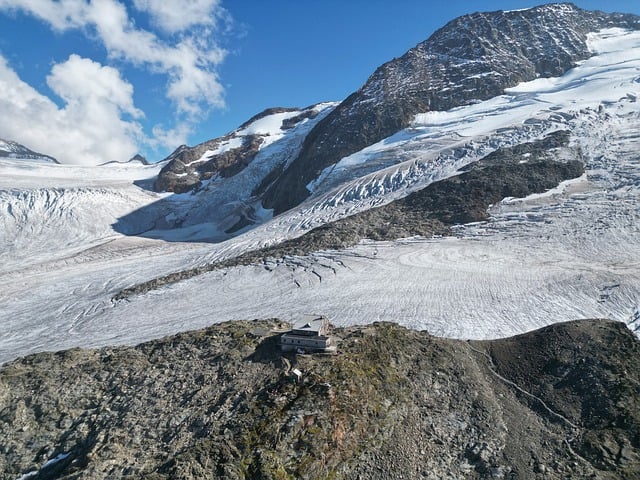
570	253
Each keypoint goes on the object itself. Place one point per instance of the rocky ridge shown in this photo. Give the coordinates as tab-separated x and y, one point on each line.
187	167
9	149
561	402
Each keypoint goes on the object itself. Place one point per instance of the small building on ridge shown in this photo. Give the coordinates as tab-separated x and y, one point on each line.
309	334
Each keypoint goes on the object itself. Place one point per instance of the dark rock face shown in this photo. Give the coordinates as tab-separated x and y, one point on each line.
186	171
289	123
188	167
473	58
561	402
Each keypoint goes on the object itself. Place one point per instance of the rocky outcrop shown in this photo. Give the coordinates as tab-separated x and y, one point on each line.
561	402
187	167
472	58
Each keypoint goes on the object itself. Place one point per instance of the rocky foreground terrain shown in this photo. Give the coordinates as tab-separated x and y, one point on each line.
561	402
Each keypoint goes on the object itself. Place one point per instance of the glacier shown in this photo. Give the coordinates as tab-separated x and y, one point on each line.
568	254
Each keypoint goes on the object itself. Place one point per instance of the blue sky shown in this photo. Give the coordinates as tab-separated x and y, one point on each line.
96	81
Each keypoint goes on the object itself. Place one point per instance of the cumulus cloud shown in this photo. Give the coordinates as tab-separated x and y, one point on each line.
172	137
175	17
79	81
96	124
189	60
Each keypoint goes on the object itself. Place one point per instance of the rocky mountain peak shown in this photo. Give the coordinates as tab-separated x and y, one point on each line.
11	149
472	58
139	158
187	167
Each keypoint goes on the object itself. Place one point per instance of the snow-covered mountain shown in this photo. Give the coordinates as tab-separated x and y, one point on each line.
72	238
188	167
223	174
473	58
9	149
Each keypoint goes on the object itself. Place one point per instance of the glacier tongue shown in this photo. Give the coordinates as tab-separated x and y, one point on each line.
571	253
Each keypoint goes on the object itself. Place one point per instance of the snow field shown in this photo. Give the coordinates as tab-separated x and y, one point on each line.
567	254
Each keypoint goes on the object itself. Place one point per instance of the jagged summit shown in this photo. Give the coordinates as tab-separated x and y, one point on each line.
472	58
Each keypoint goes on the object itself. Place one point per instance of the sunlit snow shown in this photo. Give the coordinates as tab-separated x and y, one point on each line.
570	253
59	458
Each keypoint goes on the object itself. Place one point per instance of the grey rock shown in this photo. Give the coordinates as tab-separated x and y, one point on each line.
472	58
392	401
187	167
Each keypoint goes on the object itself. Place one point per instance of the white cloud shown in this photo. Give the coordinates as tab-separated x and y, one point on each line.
189	60
175	17
172	138
89	129
80	80
60	15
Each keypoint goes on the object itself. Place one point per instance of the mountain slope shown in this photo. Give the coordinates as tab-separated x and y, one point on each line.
472	58
9	149
188	167
561	402
219	177
565	253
